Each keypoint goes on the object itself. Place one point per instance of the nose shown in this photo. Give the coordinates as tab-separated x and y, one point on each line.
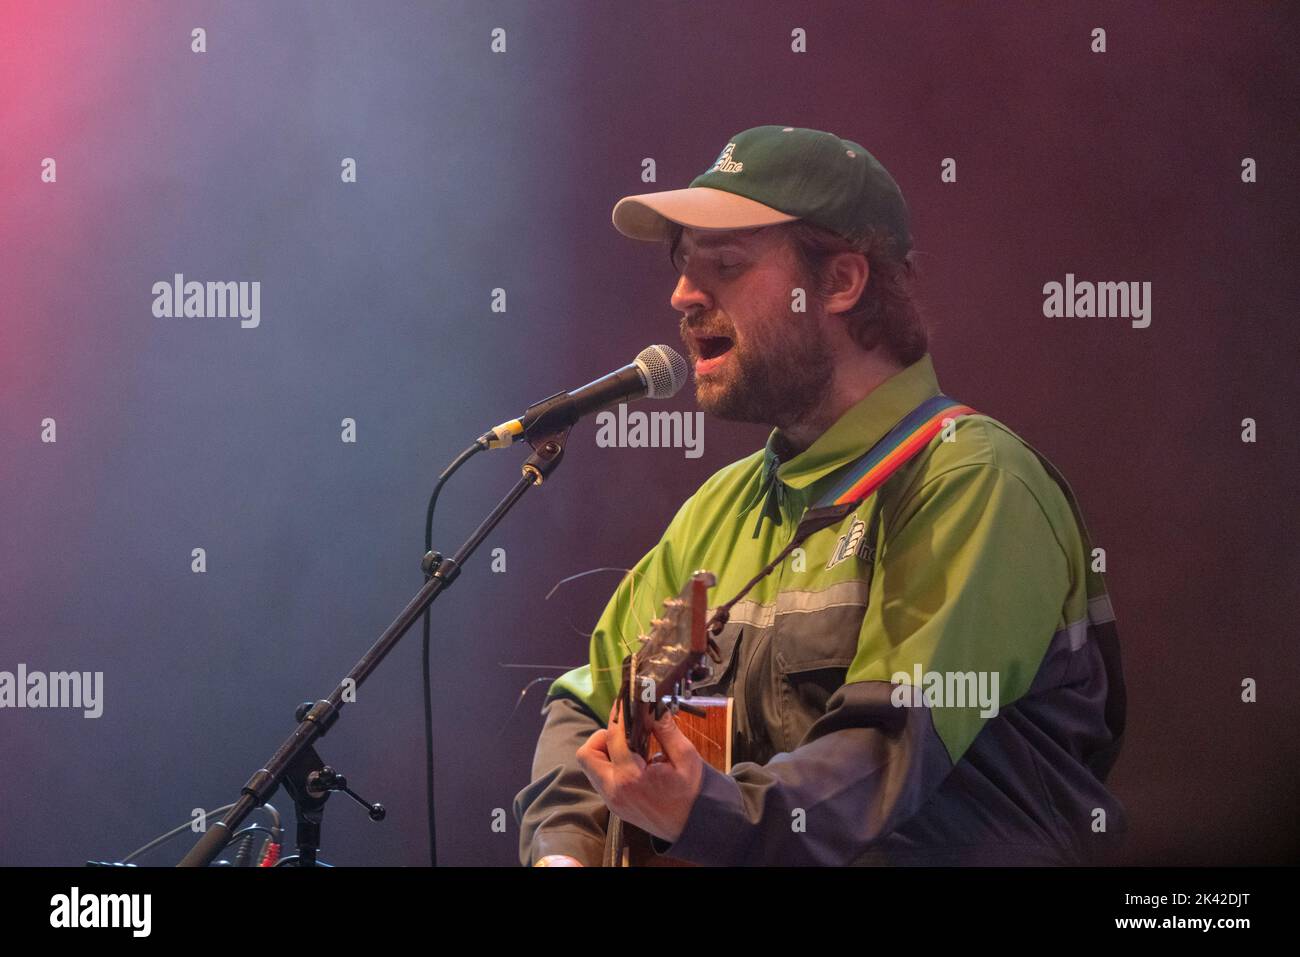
689	296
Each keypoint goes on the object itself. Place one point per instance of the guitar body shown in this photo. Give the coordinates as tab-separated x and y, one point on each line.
710	732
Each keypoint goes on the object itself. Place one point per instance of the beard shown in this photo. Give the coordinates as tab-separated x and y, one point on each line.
776	375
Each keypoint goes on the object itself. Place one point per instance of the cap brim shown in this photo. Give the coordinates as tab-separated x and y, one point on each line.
647	216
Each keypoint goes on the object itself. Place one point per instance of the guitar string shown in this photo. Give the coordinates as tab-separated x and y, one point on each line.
523	692
629	574
631	599
696	735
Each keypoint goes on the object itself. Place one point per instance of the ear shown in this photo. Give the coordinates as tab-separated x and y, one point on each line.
847	274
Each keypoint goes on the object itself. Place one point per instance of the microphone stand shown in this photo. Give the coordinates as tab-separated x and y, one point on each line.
296	763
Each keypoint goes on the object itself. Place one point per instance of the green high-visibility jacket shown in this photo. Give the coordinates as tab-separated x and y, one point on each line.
934	680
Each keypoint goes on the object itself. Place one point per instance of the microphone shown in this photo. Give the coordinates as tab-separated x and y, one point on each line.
658	372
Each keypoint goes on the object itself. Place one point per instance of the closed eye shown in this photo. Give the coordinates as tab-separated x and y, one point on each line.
719	263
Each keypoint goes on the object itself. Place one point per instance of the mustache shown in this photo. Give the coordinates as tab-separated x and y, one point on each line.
688	328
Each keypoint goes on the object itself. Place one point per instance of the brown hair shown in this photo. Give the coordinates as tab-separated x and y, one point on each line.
886	314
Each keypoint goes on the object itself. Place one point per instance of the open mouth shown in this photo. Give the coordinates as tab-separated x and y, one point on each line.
712	351
711	347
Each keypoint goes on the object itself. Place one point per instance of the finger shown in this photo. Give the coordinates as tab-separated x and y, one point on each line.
676	745
594	750
616	742
594	761
601	778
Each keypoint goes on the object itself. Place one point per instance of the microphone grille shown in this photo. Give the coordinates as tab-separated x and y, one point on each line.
664	369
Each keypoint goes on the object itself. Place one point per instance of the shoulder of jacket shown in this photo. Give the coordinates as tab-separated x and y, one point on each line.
983	444
981	440
728	484
732	477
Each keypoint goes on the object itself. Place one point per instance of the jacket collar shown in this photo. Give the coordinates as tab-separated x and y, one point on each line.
859	428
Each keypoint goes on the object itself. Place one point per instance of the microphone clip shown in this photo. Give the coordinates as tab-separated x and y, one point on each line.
548	449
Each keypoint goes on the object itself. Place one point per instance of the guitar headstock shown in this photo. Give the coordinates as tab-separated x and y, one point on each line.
671	657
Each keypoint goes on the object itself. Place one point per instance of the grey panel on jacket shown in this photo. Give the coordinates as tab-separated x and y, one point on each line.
829	773
559	813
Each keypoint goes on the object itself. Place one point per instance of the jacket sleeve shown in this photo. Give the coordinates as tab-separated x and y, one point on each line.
558	812
971	576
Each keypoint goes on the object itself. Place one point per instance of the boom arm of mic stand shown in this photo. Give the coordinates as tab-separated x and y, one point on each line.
548	450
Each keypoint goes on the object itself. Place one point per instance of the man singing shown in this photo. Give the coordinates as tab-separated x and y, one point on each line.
935	679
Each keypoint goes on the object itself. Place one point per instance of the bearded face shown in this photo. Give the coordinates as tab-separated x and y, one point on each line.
755	359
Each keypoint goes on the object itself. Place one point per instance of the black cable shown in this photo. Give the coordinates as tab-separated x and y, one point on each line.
478	446
244	852
275	830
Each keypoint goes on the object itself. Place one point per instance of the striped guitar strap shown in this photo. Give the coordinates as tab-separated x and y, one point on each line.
859	479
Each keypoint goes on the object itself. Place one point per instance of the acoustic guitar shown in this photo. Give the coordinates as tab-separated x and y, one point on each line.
657	677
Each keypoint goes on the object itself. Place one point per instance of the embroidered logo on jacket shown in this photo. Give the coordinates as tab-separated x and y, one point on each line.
852	542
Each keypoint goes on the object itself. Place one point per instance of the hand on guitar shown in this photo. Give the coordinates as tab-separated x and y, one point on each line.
655	796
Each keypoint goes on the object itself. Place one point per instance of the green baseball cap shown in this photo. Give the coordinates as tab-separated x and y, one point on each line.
777	174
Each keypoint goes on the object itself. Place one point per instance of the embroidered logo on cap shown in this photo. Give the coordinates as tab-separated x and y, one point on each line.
725	164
